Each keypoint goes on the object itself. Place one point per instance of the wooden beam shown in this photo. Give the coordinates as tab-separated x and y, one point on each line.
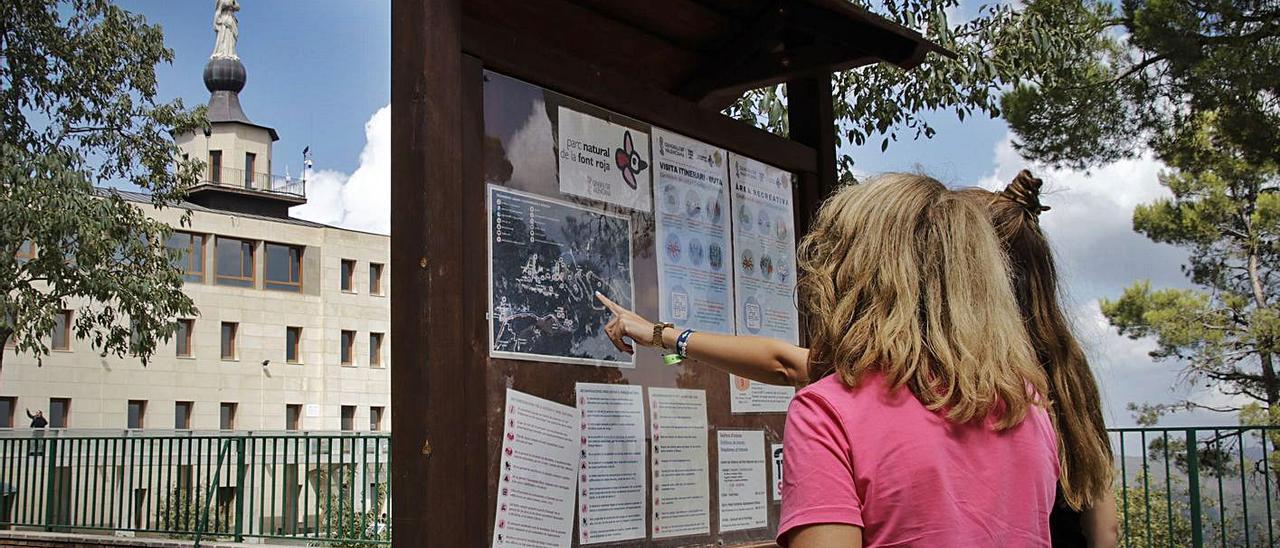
526	58
435	442
811	119
739	49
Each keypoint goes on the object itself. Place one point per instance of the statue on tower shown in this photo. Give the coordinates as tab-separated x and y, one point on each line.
227	28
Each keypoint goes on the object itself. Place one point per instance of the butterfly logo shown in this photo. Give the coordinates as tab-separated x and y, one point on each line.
629	161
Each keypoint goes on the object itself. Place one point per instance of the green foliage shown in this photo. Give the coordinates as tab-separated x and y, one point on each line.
1004	45
353	524
181	513
78	110
1224	211
1163	531
1155	67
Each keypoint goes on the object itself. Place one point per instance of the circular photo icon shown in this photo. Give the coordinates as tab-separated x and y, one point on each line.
741	383
714	211
744	218
747	260
764	224
697	252
783	230
783	268
766	267
693	205
715	256
670	199
674	249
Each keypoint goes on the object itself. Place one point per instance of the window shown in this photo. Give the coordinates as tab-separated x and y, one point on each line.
284	267
375	419
229	333
185	328
235	262
348	275
62	331
375	279
182	415
186	251
292	344
348	343
227	416
293	416
375	350
249	159
215	166
7	405
137	412
59	411
348	418
26	251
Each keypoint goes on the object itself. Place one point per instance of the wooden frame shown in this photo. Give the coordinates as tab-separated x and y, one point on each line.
142	414
182	421
375	279
375	349
347	418
293	417
186	327
189	273
294	273
347	347
6	419
250	163
252	278
347	276
294	347
63	321
215	166
375	418
229	424
229	345
66	412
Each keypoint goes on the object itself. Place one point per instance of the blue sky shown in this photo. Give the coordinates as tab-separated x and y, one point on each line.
319	72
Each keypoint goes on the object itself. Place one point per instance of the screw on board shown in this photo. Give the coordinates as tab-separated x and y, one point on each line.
426	447
422	262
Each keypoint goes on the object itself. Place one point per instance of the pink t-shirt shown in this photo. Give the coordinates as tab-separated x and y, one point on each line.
877	459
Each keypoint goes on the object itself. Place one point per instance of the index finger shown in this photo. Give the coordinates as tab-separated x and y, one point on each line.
612	306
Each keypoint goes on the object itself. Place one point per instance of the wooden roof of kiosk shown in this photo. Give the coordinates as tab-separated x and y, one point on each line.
671	63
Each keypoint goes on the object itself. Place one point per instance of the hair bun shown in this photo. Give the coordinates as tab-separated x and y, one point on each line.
1025	191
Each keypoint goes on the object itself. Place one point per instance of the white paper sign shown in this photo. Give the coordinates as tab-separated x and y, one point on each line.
604	161
741	480
764	249
681	498
612	483
538	474
776	451
695	257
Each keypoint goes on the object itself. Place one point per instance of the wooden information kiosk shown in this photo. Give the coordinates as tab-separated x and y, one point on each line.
544	150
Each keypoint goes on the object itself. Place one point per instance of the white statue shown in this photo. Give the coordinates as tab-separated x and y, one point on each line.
228	29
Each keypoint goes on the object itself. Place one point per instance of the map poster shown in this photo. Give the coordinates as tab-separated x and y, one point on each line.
764	272
692	230
742	480
604	161
612	482
776	451
539	469
547	259
681	498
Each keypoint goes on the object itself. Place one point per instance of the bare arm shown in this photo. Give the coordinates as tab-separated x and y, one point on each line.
1101	524
826	535
762	359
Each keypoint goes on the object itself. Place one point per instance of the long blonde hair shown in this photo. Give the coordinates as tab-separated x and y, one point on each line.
1084	449
901	276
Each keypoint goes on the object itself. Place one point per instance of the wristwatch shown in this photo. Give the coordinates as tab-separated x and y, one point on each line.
658	328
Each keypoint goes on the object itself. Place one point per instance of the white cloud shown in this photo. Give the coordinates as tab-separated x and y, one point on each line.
531	149
362	200
1099	255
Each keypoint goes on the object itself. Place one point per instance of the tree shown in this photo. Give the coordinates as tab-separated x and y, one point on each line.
78	109
1226	212
1003	45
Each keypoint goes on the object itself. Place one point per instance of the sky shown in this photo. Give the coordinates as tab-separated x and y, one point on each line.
319	72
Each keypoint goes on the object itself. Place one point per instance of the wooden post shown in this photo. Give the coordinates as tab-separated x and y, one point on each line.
438	442
811	117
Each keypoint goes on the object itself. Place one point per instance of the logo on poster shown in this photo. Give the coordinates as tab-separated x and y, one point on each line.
629	161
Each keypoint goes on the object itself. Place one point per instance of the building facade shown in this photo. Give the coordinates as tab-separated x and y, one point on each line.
293	331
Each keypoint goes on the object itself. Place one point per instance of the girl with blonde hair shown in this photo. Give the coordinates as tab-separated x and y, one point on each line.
931	429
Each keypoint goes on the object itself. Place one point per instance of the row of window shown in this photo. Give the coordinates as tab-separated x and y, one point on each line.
136	419
230	341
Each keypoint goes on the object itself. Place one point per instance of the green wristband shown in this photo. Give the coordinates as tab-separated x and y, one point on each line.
671	359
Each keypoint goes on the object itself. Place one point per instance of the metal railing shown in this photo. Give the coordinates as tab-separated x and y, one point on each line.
1203	486
316	487
259	181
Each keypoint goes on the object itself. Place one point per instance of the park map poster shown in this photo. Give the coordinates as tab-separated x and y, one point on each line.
547	259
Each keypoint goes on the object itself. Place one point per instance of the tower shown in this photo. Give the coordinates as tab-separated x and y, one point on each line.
236	151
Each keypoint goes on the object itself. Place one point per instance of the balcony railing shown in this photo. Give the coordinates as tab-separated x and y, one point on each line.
316	488
257	181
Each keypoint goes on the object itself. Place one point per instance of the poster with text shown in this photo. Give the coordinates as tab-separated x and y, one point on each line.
547	258
612	482
538	471
604	161
692	230
741	480
776	451
764	246
681	498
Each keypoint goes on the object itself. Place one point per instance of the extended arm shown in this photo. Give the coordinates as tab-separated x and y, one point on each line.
29	415
760	359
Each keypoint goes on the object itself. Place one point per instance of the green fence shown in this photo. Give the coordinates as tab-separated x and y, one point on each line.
317	488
